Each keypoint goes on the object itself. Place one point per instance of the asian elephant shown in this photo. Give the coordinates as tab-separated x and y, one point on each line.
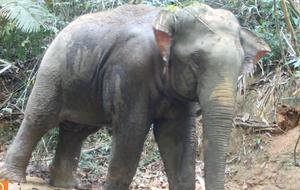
130	68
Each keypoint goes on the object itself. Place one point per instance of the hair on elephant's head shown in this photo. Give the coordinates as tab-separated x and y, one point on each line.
204	50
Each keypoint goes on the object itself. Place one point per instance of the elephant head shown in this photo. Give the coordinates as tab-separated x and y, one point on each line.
203	51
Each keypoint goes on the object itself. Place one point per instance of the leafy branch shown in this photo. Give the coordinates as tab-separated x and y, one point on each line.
28	16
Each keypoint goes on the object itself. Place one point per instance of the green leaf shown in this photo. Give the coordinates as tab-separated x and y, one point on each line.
27	15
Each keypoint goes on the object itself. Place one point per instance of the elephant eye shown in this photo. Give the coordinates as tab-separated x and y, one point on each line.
198	56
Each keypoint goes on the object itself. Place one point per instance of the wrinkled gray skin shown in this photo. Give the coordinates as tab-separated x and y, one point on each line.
130	68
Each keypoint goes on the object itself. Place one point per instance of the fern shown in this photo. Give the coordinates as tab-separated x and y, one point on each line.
29	16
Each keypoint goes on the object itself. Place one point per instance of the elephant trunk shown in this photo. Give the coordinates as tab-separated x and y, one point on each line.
218	110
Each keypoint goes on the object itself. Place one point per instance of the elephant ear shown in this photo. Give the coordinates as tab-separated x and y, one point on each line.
254	48
163	29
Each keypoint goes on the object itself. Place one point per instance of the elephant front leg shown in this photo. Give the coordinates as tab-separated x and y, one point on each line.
71	137
127	145
177	142
128	102
130	125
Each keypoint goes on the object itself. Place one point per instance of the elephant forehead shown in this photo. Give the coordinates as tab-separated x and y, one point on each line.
221	21
216	20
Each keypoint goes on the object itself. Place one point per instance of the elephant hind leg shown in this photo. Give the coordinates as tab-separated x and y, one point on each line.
41	115
71	137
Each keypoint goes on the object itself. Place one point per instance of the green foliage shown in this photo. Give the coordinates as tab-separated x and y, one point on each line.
27	15
17	46
67	11
7	133
96	146
26	26
47	144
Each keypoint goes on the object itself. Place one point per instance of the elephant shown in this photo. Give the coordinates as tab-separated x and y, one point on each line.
131	68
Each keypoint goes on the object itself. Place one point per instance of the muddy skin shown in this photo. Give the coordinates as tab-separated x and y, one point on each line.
130	68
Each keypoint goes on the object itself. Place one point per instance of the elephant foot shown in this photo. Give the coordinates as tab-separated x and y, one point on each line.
116	185
12	174
66	182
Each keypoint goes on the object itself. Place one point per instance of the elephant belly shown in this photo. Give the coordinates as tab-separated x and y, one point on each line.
85	115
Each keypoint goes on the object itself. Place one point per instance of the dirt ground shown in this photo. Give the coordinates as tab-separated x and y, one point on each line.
264	164
267	166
